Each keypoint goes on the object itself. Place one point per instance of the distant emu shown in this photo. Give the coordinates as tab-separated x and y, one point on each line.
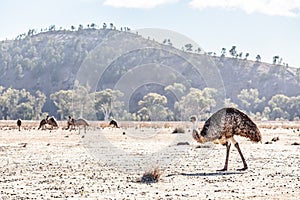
70	123
223	125
77	122
113	123
19	123
49	120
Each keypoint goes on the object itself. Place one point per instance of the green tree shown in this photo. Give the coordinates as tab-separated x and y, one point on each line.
232	51
223	52
177	88
294	107
9	101
107	102
189	47
19	71
80	27
93	25
279	105
155	106
40	99
250	100
240	55
246	56
82	103
63	101
258	58
229	103
275	58
143	114
14	101
24	111
196	102
266	113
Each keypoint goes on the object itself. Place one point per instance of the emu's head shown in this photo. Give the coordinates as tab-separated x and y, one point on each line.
193	119
198	137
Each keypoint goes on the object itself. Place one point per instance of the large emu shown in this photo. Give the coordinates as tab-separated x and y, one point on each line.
19	123
223	125
49	120
77	122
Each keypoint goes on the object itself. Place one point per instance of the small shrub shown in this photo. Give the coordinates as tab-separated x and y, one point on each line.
151	176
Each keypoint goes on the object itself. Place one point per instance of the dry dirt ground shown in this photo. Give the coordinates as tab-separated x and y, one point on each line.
106	163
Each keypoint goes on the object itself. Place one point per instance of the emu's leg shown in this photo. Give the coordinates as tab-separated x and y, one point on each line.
227	156
243	159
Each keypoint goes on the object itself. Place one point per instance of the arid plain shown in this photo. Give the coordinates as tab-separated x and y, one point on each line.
108	163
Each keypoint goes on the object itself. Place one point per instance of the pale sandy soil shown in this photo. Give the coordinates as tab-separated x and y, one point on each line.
109	163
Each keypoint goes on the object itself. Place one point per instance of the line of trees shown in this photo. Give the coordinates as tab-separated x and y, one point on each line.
107	103
32	32
20	104
276	60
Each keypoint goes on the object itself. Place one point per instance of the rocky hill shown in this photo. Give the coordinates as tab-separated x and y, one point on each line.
100	59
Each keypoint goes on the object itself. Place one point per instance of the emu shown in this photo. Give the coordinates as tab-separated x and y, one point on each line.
113	123
222	126
70	123
49	120
19	123
77	122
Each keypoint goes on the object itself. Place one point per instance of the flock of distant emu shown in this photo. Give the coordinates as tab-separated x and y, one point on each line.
71	123
222	126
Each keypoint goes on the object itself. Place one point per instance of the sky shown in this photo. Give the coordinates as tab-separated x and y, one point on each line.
264	27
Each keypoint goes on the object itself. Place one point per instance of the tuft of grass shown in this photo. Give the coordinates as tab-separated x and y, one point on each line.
178	130
151	176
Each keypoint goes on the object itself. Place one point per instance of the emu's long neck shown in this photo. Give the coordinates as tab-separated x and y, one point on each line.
196	134
195	125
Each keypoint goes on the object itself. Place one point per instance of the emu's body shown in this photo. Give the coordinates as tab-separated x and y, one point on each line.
77	122
70	123
43	123
52	122
114	123
222	126
49	120
19	123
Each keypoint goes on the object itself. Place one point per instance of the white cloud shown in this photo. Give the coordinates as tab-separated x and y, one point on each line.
289	8
137	3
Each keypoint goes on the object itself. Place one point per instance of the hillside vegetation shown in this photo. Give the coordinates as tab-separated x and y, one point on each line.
102	73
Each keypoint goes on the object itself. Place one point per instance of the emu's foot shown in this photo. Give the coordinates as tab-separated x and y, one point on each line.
243	169
222	170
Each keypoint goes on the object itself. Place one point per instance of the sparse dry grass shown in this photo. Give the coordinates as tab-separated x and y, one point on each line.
279	124
12	125
45	165
104	124
31	125
151	176
179	130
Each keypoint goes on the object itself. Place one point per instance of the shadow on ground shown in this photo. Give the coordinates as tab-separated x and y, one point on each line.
206	174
